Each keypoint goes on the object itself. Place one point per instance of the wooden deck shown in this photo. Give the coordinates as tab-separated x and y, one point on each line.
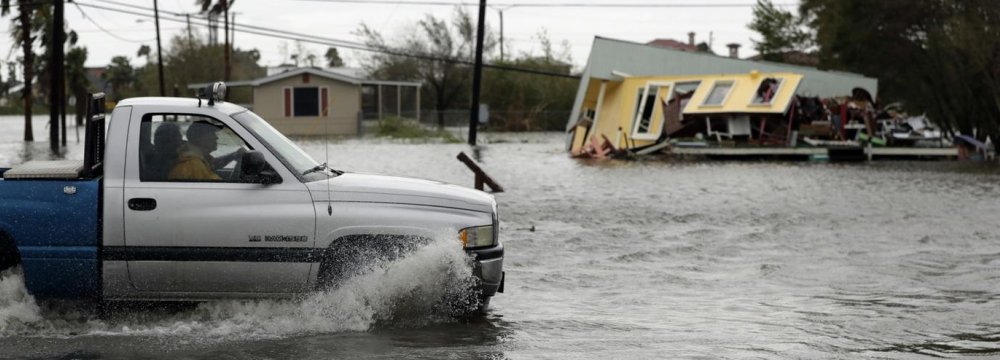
882	152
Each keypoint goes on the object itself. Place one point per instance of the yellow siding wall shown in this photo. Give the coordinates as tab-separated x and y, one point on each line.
344	101
627	97
611	113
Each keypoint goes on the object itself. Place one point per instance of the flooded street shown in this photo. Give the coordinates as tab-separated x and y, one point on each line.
644	259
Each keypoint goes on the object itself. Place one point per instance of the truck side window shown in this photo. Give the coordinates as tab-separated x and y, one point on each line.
188	148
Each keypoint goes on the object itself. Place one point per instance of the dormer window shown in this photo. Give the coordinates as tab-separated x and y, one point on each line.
766	91
720	91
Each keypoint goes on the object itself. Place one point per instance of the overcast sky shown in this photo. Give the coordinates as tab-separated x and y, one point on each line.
123	34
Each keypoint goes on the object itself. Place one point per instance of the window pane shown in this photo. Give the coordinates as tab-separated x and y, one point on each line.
179	147
306	101
766	91
285	149
718	93
647	108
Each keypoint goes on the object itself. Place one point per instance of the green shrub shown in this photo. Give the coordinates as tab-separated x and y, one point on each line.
399	128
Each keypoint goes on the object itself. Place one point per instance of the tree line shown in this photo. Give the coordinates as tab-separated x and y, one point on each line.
439	51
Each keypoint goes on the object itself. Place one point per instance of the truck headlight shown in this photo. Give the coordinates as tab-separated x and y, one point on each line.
477	236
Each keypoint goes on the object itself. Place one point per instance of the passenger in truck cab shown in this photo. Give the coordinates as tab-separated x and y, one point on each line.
167	140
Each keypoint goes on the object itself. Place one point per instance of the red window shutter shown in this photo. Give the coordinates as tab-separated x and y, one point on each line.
324	101
288	102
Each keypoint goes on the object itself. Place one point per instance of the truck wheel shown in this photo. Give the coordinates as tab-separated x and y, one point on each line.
356	255
484	306
8	252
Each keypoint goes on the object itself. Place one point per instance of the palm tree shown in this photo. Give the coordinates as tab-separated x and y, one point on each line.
144	50
76	80
221	7
22	34
333	58
121	75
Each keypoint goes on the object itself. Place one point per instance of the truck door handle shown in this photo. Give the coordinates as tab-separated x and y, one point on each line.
142	204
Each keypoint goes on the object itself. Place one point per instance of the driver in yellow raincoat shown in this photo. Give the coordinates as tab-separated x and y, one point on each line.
194	159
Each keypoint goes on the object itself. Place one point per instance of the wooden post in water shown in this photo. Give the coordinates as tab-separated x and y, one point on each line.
481	177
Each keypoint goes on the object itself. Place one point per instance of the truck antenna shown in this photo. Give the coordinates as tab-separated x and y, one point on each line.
326	142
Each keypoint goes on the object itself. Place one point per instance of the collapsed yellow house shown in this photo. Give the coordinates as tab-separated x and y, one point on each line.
641	111
622	69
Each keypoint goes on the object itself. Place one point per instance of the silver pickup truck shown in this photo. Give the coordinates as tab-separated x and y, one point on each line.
196	199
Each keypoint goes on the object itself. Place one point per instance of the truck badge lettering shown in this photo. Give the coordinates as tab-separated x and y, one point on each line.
280	238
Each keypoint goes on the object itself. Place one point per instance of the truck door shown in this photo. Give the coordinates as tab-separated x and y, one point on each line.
191	225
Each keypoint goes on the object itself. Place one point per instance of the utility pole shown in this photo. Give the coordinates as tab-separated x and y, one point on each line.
225	50
232	43
477	74
232	32
159	50
57	66
190	37
501	34
62	111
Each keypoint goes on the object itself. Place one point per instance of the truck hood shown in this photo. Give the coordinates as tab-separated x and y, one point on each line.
355	187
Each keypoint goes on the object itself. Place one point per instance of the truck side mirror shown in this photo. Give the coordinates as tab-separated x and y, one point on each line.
254	169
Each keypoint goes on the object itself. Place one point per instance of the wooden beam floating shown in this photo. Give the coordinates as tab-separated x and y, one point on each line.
481	177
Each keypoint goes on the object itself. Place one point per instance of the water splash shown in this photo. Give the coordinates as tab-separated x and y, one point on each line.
17	307
430	285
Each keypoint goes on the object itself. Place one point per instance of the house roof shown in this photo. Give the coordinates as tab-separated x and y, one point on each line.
312	71
673	44
610	57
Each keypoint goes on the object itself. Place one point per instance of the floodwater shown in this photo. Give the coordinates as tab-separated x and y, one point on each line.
645	259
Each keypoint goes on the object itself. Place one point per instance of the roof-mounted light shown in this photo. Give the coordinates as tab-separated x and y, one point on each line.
214	92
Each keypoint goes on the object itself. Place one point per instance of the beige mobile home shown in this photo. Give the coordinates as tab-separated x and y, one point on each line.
313	102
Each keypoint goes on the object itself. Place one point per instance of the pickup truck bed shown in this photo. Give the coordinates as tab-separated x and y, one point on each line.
57	169
56	222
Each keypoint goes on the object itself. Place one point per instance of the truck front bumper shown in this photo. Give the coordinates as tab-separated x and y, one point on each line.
488	267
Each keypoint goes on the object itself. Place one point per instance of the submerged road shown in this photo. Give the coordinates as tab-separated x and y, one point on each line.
611	259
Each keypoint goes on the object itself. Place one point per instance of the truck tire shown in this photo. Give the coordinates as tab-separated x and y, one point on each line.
8	252
484	306
356	255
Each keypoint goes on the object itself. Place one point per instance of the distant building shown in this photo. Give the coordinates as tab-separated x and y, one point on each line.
690	45
96	80
313	101
794	58
673	44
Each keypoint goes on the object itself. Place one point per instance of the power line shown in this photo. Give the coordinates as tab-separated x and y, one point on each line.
85	16
289	35
174	13
540	5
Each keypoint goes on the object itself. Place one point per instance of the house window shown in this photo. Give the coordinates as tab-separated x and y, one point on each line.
645	102
648	100
720	90
305	101
766	91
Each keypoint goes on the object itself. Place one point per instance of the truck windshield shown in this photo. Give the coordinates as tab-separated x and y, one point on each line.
290	154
